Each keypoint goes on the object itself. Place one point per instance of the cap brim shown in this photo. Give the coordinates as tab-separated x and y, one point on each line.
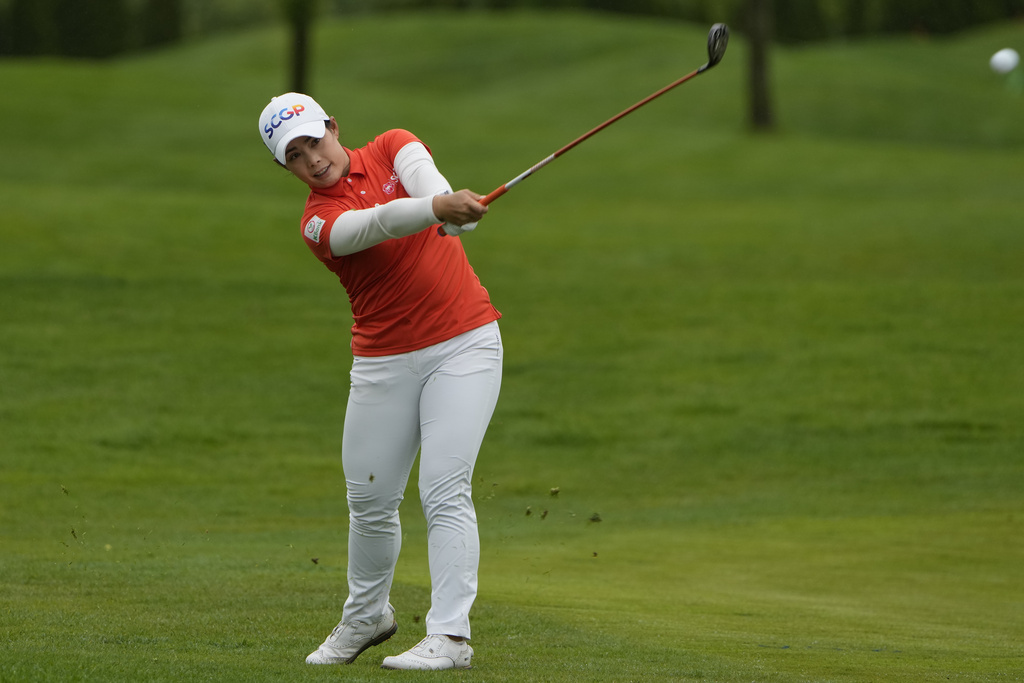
314	129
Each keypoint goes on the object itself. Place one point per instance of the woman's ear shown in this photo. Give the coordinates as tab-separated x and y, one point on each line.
332	126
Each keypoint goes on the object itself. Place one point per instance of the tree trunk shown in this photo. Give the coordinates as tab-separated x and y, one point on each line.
758	16
300	17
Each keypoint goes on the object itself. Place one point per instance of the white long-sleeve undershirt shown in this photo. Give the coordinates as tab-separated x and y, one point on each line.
359	229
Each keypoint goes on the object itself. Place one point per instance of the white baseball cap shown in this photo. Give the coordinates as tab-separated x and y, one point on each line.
291	116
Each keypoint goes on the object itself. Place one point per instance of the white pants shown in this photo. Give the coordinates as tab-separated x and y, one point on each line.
438	401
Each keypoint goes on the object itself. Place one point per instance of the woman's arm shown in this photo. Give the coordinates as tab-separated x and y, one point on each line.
430	202
360	229
420	177
418	174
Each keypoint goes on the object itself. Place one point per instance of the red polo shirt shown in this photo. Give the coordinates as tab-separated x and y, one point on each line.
407	293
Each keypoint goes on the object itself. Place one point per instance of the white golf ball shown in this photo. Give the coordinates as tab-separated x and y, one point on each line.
1004	61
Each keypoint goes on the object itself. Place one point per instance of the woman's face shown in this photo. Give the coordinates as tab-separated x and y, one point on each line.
318	162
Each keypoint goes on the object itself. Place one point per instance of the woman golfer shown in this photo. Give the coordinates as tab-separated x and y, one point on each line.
425	375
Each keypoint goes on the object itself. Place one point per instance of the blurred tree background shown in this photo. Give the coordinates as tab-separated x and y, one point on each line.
99	29
106	28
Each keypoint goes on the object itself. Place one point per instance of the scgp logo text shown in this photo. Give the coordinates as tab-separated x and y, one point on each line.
280	117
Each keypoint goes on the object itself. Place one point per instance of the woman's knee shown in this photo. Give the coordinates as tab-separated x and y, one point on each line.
446	494
372	513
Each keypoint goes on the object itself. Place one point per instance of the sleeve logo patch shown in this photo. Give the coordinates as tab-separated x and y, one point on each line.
313	229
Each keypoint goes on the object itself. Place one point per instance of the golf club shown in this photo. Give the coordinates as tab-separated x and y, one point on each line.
718	40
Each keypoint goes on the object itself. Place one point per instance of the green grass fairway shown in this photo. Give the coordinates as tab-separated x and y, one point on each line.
777	381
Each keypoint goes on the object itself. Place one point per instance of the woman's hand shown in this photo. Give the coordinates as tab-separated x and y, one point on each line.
460	208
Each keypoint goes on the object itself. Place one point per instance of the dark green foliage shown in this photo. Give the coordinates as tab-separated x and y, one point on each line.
98	28
32	29
102	28
945	16
816	20
161	22
69	28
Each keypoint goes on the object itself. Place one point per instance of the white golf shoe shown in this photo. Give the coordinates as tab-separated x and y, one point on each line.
347	641
432	654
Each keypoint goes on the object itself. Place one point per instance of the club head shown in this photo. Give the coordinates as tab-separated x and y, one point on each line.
718	40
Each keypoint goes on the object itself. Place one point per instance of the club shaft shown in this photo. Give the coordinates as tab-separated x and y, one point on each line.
497	192
590	133
518	179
